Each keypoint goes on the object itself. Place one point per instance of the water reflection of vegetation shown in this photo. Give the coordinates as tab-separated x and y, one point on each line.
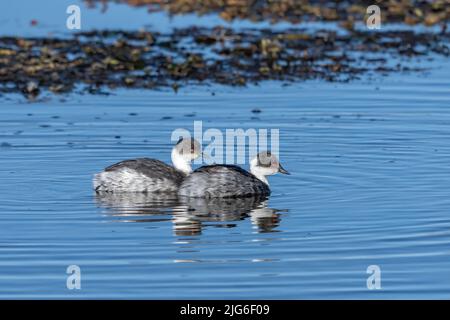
189	215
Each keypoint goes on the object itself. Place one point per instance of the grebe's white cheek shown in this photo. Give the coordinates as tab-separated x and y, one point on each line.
194	156
181	162
267	171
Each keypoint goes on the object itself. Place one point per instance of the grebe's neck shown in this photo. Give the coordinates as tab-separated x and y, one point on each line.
180	163
258	171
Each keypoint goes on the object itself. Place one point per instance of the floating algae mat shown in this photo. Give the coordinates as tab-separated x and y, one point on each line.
406	11
144	59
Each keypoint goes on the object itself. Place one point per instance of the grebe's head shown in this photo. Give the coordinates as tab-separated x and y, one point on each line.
188	148
266	164
185	151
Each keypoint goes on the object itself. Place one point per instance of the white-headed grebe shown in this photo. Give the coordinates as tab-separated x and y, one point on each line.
230	181
150	175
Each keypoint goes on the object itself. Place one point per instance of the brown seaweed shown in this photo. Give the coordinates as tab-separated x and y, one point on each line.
150	60
294	11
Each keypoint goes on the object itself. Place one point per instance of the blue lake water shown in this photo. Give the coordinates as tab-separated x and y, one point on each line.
369	186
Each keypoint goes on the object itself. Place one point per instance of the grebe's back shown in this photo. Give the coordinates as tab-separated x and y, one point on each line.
230	181
139	175
222	181
149	175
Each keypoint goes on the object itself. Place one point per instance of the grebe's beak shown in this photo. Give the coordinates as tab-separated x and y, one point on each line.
282	170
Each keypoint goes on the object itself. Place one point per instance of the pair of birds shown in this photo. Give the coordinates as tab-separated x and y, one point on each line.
211	181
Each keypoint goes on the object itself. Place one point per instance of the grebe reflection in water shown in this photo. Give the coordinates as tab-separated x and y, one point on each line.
189	215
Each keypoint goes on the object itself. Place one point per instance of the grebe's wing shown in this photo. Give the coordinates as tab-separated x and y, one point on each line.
138	175
222	181
149	167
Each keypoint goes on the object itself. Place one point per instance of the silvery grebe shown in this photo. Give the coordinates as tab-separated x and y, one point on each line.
230	181
150	175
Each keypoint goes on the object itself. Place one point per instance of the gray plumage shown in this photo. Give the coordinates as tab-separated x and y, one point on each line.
222	181
138	175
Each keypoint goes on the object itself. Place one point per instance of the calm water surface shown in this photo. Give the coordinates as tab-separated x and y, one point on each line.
369	185
370	164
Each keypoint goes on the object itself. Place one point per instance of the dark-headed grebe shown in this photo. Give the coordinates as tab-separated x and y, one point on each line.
150	175
230	181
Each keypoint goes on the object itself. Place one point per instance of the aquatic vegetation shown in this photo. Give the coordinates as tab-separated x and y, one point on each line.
406	11
150	60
